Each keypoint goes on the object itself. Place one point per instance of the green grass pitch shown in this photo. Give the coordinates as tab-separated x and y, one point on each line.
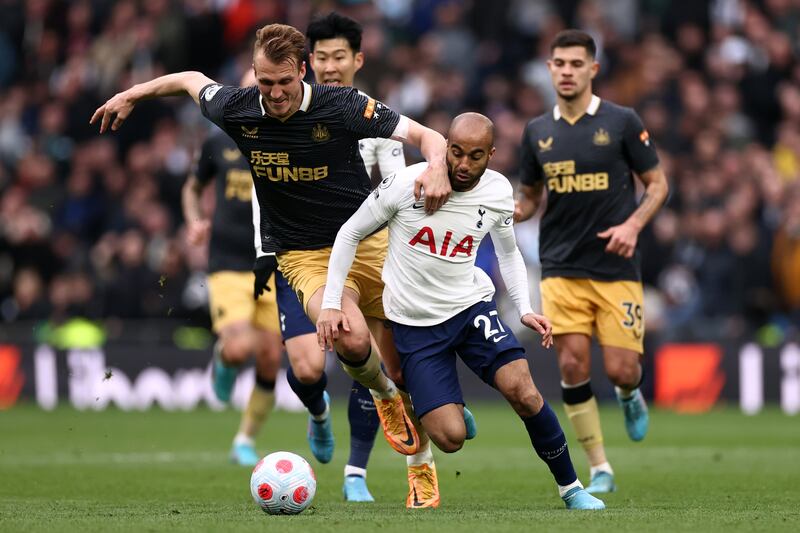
159	471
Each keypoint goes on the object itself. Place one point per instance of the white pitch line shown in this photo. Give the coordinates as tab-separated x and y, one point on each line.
100	458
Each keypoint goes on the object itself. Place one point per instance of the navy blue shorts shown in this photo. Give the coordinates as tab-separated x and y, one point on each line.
294	321
428	354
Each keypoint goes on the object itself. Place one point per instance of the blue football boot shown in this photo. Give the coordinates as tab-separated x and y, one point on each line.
222	377
578	499
602	482
355	489
320	435
636	418
469	422
244	454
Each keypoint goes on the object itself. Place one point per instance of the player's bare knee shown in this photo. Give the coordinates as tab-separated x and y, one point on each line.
305	372
236	351
528	403
524	397
354	346
448	441
573	370
624	374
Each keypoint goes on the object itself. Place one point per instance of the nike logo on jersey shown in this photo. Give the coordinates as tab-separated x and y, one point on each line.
417	205
498	339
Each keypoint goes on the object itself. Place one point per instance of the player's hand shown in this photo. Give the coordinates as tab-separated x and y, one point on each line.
435	182
264	268
621	239
118	108
541	324
198	231
328	324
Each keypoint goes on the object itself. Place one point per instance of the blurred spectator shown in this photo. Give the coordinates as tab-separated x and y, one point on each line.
90	225
786	256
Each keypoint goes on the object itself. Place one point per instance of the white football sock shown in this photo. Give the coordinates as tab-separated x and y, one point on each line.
563	489
602	467
355	471
423	456
241	438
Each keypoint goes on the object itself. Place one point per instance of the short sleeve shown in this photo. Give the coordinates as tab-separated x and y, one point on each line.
206	165
213	102
390	156
367	117
530	170
637	146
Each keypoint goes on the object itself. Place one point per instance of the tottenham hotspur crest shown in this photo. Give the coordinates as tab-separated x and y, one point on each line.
481	212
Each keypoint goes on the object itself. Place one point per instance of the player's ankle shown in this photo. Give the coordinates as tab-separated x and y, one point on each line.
242	438
350	470
602	467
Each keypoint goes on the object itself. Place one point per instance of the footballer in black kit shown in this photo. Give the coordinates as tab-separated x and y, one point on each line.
586	169
308	174
585	154
231	246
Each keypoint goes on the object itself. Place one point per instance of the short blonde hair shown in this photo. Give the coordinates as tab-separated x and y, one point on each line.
281	42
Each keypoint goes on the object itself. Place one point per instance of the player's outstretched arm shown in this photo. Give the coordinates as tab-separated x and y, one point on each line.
118	107
622	238
529	198
434	181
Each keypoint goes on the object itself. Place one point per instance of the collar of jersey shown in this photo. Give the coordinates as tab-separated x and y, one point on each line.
594	105
304	104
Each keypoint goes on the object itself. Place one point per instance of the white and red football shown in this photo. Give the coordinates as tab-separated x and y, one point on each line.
283	483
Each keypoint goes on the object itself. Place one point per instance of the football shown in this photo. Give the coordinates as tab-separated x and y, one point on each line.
283	483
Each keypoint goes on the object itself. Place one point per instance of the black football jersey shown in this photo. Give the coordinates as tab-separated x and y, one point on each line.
587	170
308	174
232	246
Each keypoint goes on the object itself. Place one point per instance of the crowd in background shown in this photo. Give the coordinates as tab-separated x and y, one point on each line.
91	225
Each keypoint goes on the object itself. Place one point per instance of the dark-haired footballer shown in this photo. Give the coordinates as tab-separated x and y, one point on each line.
335	44
585	154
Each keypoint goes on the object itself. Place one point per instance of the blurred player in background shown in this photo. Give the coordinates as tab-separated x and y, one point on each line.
586	151
442	306
300	142
335	45
246	326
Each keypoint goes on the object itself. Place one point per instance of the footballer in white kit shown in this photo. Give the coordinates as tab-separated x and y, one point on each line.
431	280
440	305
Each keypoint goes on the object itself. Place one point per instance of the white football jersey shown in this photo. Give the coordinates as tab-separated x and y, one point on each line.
430	273
387	153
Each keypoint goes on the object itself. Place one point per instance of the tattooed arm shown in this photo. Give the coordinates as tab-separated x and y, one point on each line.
622	238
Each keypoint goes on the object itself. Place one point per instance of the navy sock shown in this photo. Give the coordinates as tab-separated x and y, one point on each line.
310	395
364	425
549	442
